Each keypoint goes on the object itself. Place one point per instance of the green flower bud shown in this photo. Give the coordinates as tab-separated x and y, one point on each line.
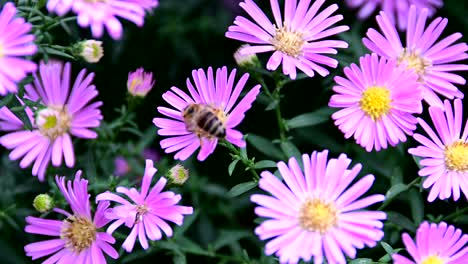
178	175
43	203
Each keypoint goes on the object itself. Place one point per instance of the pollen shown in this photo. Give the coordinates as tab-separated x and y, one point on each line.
316	215
414	61
53	121
456	157
79	233
2	51
433	260
289	42
375	102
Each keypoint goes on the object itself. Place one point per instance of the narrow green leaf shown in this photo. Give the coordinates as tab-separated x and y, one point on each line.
361	261
179	258
227	237
417	206
6	100
387	248
51	51
265	146
241	189
320	116
394	191
291	151
418	161
232	166
401	220
189	246
265	164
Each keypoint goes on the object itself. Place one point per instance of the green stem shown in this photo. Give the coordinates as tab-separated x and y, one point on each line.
456	214
249	163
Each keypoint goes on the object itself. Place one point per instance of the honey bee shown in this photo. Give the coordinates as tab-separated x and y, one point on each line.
204	120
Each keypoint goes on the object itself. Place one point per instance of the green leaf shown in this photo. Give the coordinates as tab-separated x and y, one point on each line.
401	221
417	206
189	246
265	164
51	51
387	248
241	189
361	261
291	151
227	237
232	166
320	116
393	192
265	146
6	100
21	114
179	258
418	161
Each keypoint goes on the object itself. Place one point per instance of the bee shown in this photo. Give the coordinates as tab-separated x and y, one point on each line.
204	120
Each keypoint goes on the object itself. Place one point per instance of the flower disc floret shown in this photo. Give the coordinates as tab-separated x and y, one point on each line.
79	233
375	102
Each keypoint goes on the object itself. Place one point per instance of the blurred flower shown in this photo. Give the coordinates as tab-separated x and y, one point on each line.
78	239
396	10
445	153
64	112
246	60
43	203
148	5
151	154
206	115
139	83
432	61
315	212
98	14
378	101
14	44
435	244
90	50
295	38
121	166
148	211
178	175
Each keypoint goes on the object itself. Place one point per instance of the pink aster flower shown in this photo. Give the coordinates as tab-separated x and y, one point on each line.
378	100
433	61
205	116
139	82
78	239
397	10
315	212
444	152
435	243
296	39
98	14
148	212
15	42
66	111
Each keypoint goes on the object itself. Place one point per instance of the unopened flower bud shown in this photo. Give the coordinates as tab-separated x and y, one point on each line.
90	50
246	60
178	175
43	203
139	83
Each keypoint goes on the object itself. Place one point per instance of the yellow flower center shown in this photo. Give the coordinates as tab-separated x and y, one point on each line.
456	157
375	102
53	121
79	233
414	61
289	42
317	216
433	260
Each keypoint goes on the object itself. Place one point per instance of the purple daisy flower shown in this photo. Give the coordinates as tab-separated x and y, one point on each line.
397	10
205	116
296	38
445	153
66	112
432	61
139	82
378	100
15	42
435	243
98	14
315	213
78	239
147	212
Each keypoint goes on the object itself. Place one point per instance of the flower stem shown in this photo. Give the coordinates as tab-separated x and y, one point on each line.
456	214
242	156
